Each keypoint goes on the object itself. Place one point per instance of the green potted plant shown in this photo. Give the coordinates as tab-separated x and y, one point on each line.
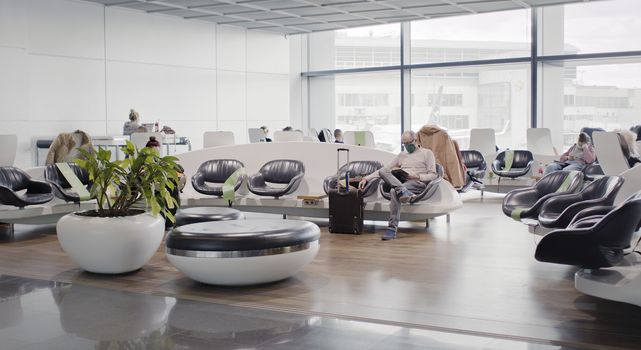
118	236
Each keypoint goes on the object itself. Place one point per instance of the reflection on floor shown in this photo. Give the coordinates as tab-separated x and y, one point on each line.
475	276
37	314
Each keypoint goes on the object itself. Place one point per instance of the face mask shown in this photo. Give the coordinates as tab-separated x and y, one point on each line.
410	148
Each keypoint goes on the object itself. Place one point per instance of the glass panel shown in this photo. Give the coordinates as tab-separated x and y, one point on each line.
474	37
356	48
460	99
600	94
362	102
598	26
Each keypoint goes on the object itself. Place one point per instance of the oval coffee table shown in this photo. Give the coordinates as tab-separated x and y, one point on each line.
242	252
206	214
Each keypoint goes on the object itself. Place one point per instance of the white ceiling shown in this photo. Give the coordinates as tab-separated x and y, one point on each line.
305	16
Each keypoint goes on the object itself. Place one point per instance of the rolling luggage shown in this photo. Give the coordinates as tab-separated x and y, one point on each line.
345	204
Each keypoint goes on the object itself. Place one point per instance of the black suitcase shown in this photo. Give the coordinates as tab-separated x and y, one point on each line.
345	205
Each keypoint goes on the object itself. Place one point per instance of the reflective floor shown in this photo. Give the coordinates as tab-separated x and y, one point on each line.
37	314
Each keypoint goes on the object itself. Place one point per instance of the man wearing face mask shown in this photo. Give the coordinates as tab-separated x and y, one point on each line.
420	166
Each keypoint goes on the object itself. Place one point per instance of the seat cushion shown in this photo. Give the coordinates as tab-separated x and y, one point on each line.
206	214
239	235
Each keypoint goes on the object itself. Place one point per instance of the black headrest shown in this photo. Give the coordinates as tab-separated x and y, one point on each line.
281	170
472	159
13	178
219	170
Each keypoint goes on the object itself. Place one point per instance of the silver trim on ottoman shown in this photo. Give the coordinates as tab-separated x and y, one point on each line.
238	253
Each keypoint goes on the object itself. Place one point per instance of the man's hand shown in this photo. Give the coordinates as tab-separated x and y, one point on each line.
564	158
361	184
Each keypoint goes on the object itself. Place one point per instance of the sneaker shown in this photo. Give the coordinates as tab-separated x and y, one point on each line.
406	196
389	234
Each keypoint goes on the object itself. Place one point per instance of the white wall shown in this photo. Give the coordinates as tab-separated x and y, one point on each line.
67	64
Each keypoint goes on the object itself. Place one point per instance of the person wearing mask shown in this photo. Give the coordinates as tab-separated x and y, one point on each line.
338	136
418	164
576	157
133	125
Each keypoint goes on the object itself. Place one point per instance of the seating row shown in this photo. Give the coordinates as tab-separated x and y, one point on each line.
18	189
212	175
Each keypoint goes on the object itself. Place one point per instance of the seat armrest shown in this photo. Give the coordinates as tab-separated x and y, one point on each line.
370	187
256	180
429	190
294	183
38	187
8	196
329	183
559	203
496	165
593	211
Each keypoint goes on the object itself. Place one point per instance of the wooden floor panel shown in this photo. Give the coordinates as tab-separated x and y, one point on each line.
475	275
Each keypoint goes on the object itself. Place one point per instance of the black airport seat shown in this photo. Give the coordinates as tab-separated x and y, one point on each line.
285	172
558	212
427	193
593	242
476	168
359	168
61	187
526	202
521	162
212	174
13	181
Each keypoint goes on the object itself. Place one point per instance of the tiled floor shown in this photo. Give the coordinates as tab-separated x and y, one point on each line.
37	314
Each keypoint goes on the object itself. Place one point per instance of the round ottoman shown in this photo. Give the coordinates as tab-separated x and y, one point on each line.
242	252
206	214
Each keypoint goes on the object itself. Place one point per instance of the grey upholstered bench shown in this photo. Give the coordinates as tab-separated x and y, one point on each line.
242	252
206	214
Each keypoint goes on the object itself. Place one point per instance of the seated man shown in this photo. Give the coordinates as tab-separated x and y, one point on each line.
420	166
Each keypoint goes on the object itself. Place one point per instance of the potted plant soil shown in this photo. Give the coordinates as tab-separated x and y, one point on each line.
117	237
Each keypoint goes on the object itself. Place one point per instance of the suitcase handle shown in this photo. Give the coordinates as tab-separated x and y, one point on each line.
338	168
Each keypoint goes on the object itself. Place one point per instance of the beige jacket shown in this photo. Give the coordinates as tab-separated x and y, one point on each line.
446	152
63	144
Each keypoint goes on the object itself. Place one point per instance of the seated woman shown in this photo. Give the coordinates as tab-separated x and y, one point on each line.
575	158
133	124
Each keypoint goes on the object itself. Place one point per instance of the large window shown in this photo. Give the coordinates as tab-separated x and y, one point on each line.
459	99
355	48
597	26
573	87
605	94
468	38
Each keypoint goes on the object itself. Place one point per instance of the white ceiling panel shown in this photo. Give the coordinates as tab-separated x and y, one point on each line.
305	16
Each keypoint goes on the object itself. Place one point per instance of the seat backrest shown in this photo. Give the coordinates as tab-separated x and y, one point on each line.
359	138
522	158
281	171
13	178
140	139
255	135
219	170
326	135
8	145
483	140
553	182
605	187
615	230
360	168
612	157
539	141
288	136
53	174
217	138
473	159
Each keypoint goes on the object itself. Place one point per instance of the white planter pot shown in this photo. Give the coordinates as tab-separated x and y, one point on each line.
110	245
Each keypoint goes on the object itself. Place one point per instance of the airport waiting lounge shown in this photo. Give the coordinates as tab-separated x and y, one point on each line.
314	174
